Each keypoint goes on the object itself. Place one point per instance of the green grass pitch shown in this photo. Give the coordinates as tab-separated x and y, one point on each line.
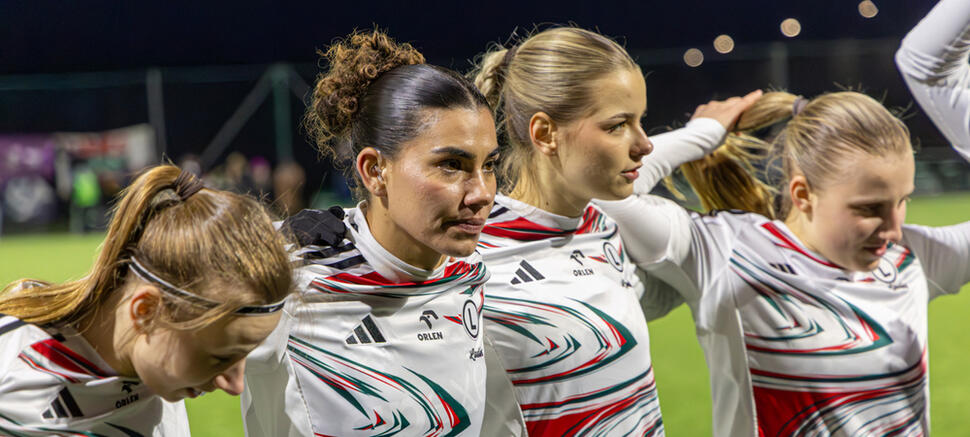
678	361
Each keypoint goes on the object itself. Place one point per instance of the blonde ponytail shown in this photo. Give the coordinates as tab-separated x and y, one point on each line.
813	142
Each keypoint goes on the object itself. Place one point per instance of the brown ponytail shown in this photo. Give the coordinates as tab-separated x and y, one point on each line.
217	244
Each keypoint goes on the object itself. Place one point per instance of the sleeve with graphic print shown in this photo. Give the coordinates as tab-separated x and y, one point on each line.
661	239
933	62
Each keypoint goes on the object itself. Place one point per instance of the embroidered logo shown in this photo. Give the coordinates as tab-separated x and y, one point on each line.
366	332
577	256
64	405
886	271
526	273
476	353
426	317
470	318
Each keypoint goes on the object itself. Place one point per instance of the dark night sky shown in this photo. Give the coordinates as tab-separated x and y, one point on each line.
125	38
63	36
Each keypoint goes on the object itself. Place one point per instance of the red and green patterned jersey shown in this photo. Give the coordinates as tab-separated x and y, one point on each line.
372	346
562	310
795	344
53	383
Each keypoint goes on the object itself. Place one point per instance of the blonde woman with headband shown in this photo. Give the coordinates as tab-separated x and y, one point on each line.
563	308
187	282
809	297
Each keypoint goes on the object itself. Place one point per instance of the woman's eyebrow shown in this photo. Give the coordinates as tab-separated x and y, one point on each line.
448	150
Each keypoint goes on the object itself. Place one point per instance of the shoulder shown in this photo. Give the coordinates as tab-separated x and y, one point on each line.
16	335
16	368
730	219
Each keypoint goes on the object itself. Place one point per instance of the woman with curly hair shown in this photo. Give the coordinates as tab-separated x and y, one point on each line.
387	336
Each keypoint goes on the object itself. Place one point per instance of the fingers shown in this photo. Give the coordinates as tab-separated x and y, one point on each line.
727	111
743	103
750	98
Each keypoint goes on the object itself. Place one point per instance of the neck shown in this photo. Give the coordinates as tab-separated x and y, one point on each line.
101	329
547	190
396	240
797	223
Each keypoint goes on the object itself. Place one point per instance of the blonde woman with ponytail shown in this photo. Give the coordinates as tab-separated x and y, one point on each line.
563	309
809	295
187	282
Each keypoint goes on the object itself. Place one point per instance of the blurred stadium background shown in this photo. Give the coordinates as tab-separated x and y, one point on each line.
90	92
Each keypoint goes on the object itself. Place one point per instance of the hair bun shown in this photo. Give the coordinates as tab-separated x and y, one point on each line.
354	63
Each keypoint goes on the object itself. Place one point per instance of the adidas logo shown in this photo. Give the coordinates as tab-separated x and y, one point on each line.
526	273
366	332
64	405
784	267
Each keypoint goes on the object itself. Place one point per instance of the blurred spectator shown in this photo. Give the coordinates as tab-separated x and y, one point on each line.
191	163
288	181
86	211
262	176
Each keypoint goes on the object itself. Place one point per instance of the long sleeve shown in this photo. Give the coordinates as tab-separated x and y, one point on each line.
268	374
671	149
944	253
933	62
658	235
653	229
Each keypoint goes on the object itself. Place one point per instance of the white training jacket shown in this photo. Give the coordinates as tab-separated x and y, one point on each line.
933	62
53	383
372	346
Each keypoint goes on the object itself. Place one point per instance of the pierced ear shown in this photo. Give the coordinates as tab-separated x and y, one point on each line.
542	131
801	194
143	307
371	167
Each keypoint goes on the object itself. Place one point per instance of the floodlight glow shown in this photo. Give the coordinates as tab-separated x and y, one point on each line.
724	44
868	9
693	57
791	27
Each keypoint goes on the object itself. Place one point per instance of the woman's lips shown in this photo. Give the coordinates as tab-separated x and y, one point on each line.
877	250
471	226
631	174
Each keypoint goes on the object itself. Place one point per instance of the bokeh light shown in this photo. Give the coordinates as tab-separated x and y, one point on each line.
868	9
693	57
724	44
791	27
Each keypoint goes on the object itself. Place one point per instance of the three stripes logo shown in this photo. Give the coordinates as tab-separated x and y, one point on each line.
366	332
526	273
64	405
784	267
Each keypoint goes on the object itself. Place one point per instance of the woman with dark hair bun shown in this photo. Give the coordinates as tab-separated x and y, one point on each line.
386	337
